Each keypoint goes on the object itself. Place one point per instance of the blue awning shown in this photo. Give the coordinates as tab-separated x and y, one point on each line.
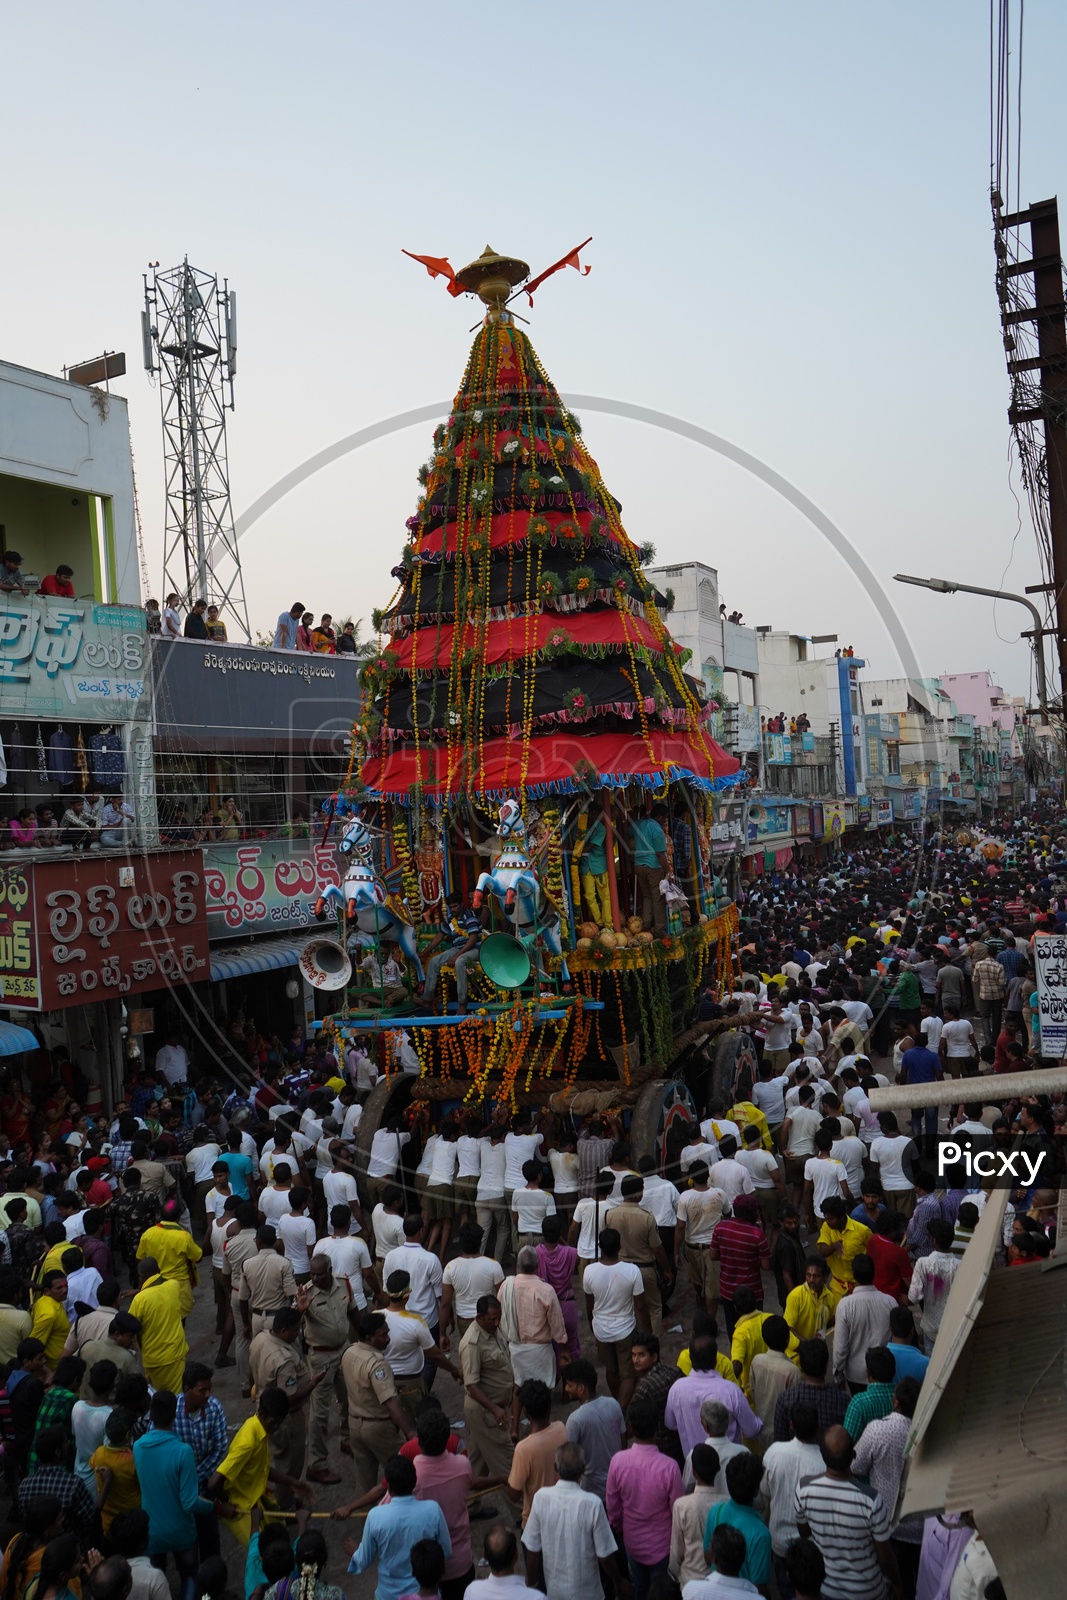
14	1040
240	961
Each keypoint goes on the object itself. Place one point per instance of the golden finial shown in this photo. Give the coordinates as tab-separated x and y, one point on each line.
492	277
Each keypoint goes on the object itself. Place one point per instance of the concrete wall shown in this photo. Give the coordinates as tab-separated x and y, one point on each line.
78	441
979	697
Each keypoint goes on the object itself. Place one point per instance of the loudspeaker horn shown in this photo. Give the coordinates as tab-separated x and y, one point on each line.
325	964
505	961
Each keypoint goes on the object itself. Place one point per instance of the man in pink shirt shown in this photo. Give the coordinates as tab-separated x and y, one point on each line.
643	1485
532	1321
449	1479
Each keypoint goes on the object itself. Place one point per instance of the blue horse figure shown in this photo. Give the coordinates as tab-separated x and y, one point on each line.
514	882
363	896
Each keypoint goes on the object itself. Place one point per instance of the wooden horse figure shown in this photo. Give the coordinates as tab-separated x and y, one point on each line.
514	882
363	895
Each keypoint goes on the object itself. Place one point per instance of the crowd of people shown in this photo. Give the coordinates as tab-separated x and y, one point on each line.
696	1379
92	821
296	629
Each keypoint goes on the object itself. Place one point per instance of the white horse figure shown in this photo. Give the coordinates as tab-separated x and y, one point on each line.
363	895
514	882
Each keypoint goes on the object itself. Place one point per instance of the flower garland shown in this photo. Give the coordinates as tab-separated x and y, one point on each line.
404	859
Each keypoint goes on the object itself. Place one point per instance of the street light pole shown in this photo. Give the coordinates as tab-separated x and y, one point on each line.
946	586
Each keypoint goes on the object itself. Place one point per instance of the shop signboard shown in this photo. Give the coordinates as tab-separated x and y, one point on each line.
268	886
1050	960
748	729
72	660
728	831
835	818
802	822
769	822
883	813
779	749
20	983
911	807
89	928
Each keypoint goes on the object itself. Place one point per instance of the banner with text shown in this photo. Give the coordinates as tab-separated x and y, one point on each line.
80	930
268	887
1050	960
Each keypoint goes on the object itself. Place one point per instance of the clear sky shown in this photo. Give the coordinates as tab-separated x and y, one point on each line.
791	247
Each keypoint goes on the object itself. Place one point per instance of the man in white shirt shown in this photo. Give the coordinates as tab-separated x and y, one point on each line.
501	1551
768	1094
521	1144
424	1269
784	1465
466	1278
489	1207
728	1174
567	1537
861	1320
387	1221
957	1047
384	1159
660	1200
349	1258
172	1061
797	1140
339	1185
615	1303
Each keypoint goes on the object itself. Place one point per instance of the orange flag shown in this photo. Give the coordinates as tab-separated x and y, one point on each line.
439	267
570	260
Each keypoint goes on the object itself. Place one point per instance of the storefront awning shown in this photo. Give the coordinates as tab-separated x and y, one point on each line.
240	961
14	1040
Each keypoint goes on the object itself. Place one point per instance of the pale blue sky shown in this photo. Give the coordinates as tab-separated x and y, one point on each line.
791	247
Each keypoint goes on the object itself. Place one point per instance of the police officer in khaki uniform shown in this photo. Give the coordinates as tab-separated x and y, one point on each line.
376	1420
267	1284
274	1360
240	1247
488	1391
325	1303
641	1244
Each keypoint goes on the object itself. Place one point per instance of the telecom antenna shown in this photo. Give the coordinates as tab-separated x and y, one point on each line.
189	333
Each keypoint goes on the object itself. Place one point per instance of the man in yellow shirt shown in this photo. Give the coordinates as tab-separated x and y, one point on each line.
840	1240
55	1237
809	1308
50	1321
748	1340
175	1253
242	1475
157	1305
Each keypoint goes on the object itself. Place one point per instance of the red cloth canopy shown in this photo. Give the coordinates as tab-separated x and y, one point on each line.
497	765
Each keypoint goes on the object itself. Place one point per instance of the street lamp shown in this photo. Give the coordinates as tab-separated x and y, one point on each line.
946	586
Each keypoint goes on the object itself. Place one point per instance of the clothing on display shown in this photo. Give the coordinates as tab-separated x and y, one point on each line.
61	759
108	759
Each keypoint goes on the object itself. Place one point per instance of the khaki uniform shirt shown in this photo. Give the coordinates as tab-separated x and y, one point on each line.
272	1361
637	1231
94	1350
485	1361
326	1324
267	1281
368	1381
241	1248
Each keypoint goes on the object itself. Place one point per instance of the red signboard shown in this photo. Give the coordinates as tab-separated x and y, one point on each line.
96	926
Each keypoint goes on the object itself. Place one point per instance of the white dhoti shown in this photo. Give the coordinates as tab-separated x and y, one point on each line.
534	1361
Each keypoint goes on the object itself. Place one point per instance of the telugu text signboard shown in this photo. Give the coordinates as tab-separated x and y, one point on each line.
1050	961
20	984
266	887
94	927
72	659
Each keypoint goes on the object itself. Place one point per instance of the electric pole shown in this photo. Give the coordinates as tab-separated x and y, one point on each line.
1039	383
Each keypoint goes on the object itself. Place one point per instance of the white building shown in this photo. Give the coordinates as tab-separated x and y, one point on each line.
724	655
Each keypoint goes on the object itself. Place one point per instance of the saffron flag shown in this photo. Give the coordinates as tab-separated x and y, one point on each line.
570	260
439	267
